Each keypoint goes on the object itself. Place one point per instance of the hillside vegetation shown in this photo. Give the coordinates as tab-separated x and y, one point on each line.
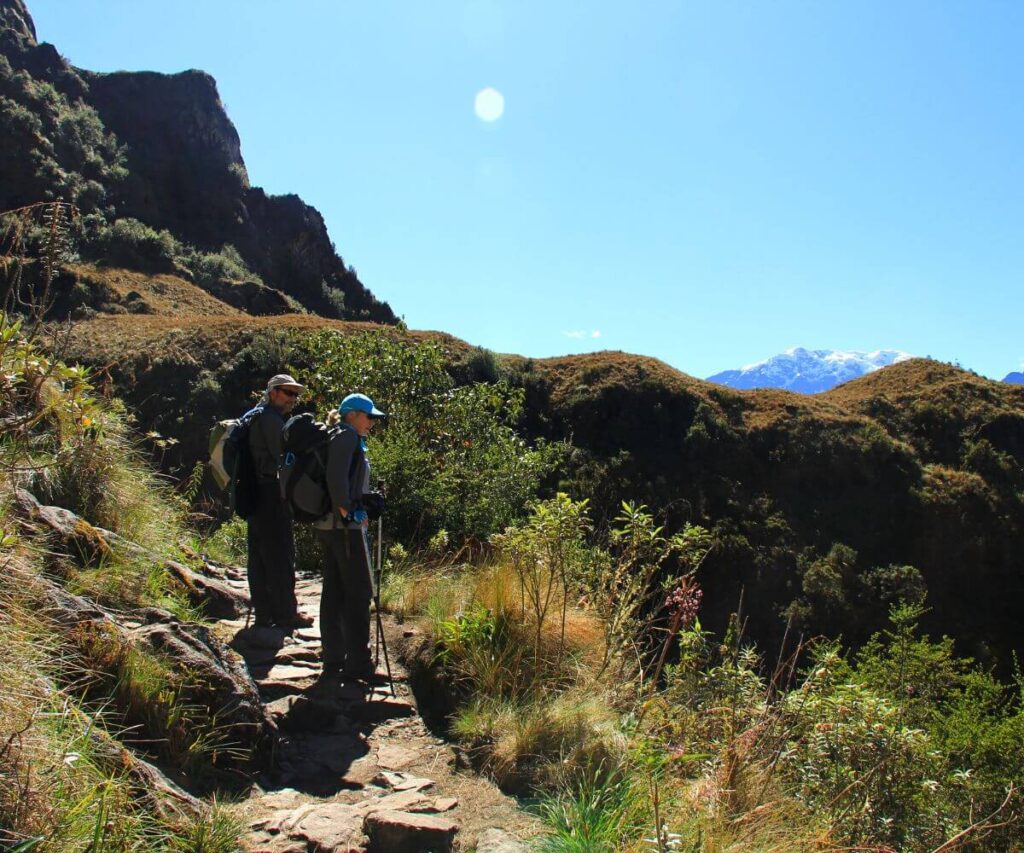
98	695
674	615
825	510
572	662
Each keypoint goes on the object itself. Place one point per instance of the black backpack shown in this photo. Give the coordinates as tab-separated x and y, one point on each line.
303	473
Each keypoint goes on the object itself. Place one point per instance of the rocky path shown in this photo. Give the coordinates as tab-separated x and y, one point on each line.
357	769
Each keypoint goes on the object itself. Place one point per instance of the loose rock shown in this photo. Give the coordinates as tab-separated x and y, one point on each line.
403	832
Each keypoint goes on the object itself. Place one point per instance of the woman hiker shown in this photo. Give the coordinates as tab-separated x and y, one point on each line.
347	589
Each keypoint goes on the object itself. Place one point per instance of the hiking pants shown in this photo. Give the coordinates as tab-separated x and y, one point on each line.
345	601
272	559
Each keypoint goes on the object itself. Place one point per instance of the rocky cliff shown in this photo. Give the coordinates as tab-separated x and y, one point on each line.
160	149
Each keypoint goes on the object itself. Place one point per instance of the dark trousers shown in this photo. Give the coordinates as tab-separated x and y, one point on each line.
345	601
272	559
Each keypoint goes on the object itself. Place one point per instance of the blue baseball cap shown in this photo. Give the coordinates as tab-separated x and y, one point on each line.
360	403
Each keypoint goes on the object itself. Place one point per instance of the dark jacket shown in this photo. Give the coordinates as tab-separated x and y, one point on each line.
344	490
265	443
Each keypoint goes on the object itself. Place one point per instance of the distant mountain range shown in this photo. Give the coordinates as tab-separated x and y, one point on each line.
808	371
812	371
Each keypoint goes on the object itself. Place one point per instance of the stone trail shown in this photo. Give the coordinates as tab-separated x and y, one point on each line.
357	769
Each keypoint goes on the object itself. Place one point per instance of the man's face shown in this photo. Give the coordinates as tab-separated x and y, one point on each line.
284	398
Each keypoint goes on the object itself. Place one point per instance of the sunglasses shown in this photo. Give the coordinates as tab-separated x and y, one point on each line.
288	392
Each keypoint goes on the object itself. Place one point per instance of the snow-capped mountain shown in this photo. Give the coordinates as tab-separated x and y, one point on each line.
1015	378
808	371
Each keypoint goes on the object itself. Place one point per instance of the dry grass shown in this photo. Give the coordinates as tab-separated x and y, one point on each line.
566	734
54	788
50	787
163	294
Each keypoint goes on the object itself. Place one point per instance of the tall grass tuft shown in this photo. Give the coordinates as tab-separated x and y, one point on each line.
56	793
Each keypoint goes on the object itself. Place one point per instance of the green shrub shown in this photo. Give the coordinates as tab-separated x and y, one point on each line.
334	297
210	267
228	543
596	811
450	455
853	757
130	243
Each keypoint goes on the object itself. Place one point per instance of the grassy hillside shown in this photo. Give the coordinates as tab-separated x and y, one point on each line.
589	655
825	509
103	726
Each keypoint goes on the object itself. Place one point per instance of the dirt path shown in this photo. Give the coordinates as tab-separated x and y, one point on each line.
359	770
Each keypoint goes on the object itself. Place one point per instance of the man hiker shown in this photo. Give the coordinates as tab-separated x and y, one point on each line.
270	536
347	590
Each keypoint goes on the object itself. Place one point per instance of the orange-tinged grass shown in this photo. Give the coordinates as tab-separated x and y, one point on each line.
165	294
207	332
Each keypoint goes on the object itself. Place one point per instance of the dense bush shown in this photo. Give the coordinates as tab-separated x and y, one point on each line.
450	456
210	267
130	243
133	244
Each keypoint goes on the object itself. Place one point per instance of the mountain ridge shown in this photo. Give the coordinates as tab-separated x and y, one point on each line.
808	371
161	150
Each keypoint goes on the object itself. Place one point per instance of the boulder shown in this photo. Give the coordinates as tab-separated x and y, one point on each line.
406	832
217	599
218	679
332	827
161	796
252	297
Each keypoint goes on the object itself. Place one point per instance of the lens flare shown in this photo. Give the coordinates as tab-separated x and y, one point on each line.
489	104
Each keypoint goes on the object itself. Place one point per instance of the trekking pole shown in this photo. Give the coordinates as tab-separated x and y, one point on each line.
376	609
380	538
380	562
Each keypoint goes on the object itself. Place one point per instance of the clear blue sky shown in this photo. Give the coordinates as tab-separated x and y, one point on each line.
708	183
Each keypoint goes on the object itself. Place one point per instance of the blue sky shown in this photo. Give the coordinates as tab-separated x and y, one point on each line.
707	183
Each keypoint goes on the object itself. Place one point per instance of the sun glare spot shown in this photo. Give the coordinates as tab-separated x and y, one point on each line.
489	104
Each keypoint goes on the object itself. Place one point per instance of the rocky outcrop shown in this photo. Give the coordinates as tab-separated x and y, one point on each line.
16	24
183	172
221	681
251	297
90	545
216	677
185	167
